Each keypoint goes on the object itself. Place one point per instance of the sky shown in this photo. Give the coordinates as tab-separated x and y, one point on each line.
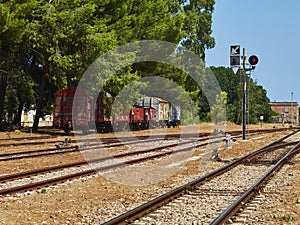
269	29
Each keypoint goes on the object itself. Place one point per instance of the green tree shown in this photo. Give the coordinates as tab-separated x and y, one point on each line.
258	103
197	25
142	20
64	38
257	100
13	21
218	111
230	83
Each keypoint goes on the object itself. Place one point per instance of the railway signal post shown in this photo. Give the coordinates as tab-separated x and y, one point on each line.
235	65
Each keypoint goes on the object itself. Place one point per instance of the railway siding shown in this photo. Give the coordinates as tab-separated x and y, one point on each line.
242	185
208	200
97	199
278	202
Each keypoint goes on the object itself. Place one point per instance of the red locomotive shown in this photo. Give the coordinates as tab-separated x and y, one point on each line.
149	112
141	117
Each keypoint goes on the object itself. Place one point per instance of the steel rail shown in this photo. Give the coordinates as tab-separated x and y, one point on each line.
26	138
83	162
112	140
78	174
92	171
76	148
54	151
143	209
91	147
248	194
199	135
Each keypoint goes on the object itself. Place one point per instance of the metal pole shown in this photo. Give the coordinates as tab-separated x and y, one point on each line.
292	110
248	102
244	94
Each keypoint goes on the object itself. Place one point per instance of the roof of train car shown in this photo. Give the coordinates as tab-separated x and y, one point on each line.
70	91
157	98
160	99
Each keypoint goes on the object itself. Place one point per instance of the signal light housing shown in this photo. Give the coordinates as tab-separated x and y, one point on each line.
253	60
235	60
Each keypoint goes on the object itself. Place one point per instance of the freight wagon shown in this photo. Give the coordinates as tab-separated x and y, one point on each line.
148	112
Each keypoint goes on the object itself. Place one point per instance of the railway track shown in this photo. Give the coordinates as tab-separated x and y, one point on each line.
238	179
102	142
141	155
108	143
7	189
255	188
46	139
118	204
25	138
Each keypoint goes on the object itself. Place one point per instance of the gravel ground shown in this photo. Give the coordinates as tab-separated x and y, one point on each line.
208	200
95	199
279	202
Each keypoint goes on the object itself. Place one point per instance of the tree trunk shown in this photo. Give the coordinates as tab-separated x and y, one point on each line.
17	118
40	100
3	85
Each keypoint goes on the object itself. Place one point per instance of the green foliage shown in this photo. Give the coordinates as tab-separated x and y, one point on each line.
257	100
20	92
197	25
12	20
63	38
218	110
258	103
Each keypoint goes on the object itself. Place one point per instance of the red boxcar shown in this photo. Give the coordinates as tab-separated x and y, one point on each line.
63	106
91	114
88	112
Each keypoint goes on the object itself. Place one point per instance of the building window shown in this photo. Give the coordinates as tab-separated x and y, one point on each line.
286	109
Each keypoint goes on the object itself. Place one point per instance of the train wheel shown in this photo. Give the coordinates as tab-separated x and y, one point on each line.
66	129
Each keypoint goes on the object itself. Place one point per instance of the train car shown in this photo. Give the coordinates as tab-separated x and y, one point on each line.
63	103
148	112
174	114
90	113
166	114
102	122
120	120
162	107
141	117
137	118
